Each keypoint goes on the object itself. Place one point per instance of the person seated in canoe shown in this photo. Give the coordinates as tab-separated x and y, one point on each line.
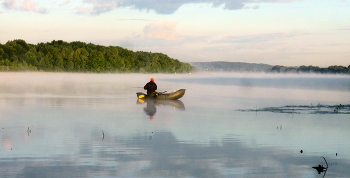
151	87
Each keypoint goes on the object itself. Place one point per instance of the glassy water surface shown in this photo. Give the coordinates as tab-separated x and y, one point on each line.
226	125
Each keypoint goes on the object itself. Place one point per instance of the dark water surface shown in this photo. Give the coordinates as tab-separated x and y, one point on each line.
226	125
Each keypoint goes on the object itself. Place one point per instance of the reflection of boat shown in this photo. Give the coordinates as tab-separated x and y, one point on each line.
174	103
163	96
151	109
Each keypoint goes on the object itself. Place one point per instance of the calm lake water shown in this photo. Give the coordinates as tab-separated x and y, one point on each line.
226	125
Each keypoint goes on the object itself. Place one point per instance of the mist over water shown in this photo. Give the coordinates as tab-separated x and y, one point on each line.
226	125
286	81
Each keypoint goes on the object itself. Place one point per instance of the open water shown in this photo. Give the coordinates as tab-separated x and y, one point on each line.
226	125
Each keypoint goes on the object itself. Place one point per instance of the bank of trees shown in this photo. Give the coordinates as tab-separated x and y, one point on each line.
224	66
312	69
61	56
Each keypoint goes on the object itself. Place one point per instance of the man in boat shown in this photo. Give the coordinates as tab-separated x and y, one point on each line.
151	87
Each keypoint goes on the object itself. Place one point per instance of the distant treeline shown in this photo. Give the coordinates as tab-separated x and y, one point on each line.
60	56
312	69
222	66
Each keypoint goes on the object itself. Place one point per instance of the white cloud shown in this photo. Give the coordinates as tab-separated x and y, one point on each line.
25	5
163	30
100	6
9	4
28	5
83	9
159	6
67	2
256	38
170	6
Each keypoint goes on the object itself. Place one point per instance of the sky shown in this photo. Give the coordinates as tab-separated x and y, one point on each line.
276	32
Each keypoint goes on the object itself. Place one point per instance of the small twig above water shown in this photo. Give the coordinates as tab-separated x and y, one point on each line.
320	168
150	137
29	131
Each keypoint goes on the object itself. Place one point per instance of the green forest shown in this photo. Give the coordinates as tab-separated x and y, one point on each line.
61	56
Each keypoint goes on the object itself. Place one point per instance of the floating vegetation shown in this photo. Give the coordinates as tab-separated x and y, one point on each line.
305	109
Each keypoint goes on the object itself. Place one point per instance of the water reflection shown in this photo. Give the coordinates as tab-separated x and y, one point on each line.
150	109
165	156
49	132
151	104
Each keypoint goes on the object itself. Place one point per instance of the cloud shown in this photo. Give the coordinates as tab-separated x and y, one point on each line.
104	6
42	10
255	38
100	6
170	6
162	30
28	5
96	7
25	5
231	5
346	28
9	4
135	19
83	9
67	2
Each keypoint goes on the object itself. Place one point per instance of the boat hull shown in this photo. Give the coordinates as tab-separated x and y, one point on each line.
178	104
163	96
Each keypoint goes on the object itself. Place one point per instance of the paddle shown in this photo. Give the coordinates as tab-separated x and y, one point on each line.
162	92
